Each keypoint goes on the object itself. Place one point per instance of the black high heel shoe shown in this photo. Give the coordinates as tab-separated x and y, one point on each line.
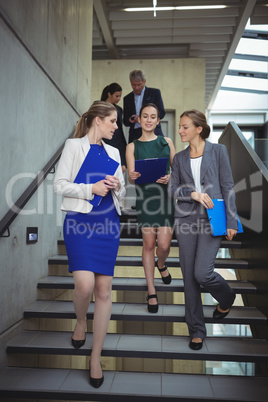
152	308
165	279
95	382
78	343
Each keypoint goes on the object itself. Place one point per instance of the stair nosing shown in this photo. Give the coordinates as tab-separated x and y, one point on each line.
220	263
126	241
138	312
127	345
139	284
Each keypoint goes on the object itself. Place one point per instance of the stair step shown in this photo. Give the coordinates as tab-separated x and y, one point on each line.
139	284
130	229
174	243
220	263
121	386
143	346
138	312
138	242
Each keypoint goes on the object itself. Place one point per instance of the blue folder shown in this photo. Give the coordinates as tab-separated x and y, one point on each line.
94	168
150	169
217	218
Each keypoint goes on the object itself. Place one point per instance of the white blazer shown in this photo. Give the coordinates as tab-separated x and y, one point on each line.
76	195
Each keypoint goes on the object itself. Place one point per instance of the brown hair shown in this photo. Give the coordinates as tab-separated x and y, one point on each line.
97	109
150	105
112	88
199	120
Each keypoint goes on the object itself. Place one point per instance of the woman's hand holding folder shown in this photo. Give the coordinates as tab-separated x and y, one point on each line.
100	188
112	182
164	179
230	234
133	175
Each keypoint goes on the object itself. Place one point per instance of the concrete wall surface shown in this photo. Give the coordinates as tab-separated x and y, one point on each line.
181	81
45	65
45	84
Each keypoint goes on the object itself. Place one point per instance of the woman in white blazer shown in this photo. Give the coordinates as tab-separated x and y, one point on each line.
91	229
200	173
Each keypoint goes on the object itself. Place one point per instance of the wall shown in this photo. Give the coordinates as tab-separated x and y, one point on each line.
181	81
45	66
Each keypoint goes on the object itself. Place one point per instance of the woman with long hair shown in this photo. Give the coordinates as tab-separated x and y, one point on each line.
91	226
112	93
154	207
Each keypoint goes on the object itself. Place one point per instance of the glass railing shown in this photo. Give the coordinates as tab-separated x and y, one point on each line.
261	149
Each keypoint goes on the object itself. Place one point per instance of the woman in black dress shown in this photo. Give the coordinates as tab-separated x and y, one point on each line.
112	93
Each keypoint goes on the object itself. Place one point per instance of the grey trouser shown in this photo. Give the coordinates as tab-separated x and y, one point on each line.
197	251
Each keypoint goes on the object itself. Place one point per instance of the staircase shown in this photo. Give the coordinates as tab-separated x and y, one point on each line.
145	356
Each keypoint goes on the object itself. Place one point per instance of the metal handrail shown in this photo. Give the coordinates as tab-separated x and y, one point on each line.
30	190
28	193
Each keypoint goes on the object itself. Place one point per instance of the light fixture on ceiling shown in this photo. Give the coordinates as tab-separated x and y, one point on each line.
154	5
155	8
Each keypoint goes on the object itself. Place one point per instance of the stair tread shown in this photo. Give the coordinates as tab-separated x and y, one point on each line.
143	346
138	284
229	263
138	312
138	242
73	384
174	243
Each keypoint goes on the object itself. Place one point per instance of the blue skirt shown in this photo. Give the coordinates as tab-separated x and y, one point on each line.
92	239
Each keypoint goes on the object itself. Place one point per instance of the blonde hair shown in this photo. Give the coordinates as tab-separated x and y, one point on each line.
99	109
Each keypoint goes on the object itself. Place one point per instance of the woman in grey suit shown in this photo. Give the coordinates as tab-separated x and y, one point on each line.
200	173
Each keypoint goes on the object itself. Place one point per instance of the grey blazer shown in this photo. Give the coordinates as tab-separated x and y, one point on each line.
215	177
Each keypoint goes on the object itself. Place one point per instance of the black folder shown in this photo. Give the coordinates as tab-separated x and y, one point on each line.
150	169
217	218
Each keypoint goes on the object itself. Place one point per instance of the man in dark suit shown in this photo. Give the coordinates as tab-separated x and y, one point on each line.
134	101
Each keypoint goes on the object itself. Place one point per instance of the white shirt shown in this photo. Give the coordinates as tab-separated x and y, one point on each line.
138	104
196	167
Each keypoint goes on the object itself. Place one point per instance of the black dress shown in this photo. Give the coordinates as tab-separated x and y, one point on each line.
118	141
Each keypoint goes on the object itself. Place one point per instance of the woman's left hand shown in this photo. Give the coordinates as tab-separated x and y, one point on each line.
164	179
112	182
231	233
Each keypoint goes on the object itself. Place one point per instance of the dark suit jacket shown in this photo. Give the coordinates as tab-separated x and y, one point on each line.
215	177
151	95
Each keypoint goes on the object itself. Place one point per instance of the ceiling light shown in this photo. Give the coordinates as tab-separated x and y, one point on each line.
154	5
200	7
150	9
173	8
